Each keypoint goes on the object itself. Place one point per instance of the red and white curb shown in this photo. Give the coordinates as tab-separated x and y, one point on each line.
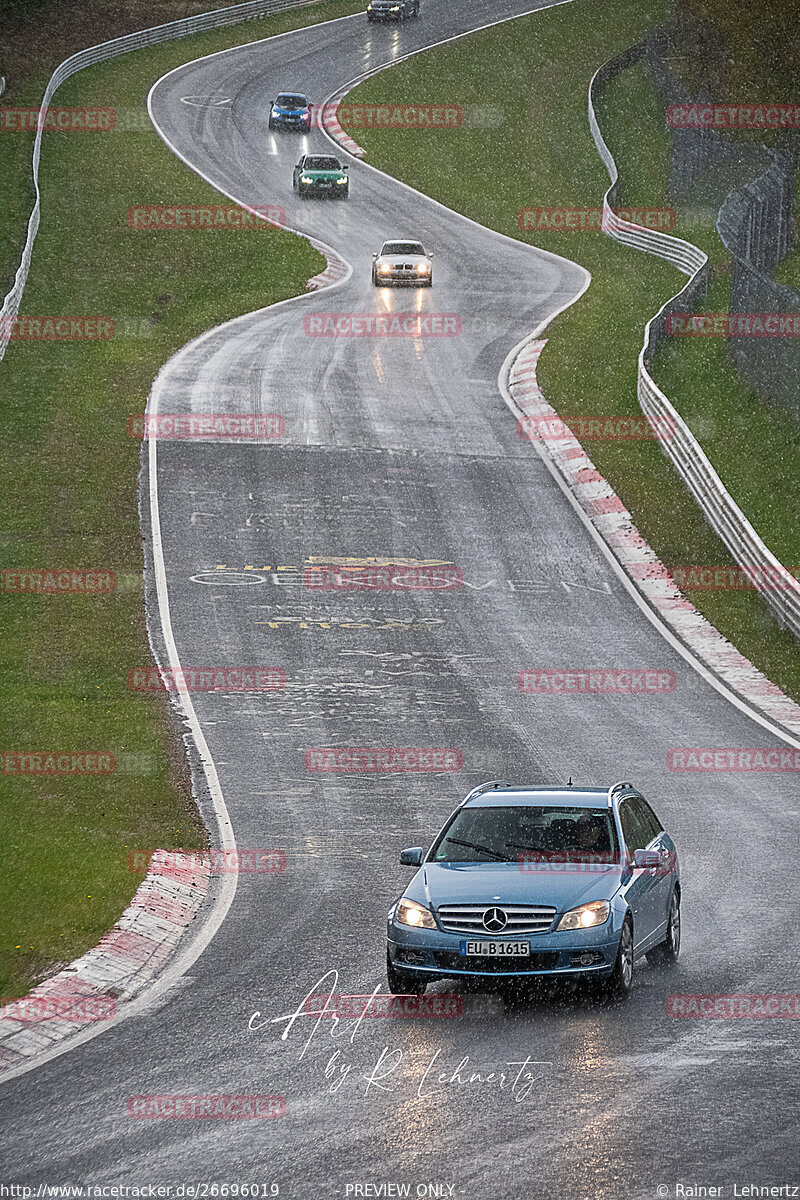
330	123
336	270
123	962
615	525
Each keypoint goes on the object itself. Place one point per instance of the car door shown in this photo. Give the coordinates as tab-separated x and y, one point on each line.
641	891
664	876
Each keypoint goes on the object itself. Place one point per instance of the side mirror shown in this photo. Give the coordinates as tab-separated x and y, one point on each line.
412	857
429	254
646	860
375	255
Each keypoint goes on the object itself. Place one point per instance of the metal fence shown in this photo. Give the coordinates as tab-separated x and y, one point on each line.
756	224
216	19
779	588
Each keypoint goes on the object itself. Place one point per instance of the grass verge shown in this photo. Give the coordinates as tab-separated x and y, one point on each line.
542	154
73	469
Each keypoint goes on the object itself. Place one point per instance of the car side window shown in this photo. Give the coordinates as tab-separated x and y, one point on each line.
636	837
647	817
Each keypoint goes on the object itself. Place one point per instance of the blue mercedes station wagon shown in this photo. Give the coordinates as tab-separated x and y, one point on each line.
529	882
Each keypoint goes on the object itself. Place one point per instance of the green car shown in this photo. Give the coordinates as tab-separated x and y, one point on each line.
320	175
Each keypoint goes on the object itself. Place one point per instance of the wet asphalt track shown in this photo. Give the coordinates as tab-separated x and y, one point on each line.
404	448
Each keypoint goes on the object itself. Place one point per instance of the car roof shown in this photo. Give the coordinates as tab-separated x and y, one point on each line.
543	795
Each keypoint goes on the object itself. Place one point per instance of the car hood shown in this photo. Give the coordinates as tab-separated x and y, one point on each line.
394	259
561	886
290	112
315	173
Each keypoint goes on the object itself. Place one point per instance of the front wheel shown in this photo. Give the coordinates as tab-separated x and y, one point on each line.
620	981
668	950
401	984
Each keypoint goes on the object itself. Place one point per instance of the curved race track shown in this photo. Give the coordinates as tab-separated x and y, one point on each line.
403	448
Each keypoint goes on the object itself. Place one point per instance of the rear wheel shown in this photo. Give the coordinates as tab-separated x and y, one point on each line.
402	984
668	950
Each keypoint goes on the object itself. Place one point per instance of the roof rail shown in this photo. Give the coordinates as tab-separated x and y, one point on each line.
619	787
485	787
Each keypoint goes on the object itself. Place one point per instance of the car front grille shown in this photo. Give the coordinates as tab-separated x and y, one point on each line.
520	918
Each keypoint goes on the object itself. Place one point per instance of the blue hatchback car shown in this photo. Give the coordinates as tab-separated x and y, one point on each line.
538	881
290	110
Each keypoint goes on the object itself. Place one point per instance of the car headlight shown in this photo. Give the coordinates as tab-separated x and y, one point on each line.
276	112
423	268
384	268
306	179
341	181
585	916
410	913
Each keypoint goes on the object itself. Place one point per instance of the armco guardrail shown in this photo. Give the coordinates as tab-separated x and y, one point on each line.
780	589
216	19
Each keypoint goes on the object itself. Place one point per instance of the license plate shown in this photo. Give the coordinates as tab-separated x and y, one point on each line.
496	949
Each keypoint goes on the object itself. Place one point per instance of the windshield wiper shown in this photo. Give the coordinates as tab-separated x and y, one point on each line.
475	846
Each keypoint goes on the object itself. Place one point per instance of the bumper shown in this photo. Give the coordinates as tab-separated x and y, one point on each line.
410	277
425	952
301	123
385	16
319	189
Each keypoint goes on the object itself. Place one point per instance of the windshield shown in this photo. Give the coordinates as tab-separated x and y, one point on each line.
322	164
287	101
525	833
403	248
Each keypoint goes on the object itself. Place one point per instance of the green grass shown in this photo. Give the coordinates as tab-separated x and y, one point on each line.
543	154
73	469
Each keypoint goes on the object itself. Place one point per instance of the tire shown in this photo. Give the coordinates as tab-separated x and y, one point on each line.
619	983
667	952
403	984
